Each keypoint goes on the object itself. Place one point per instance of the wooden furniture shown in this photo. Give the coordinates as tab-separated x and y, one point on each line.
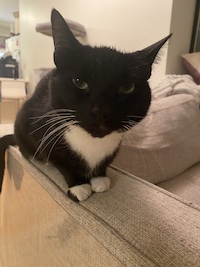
12	95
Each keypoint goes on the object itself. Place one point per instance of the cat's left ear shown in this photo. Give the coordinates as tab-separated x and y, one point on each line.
146	57
63	38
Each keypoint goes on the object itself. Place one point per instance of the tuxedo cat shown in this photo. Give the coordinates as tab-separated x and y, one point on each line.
77	115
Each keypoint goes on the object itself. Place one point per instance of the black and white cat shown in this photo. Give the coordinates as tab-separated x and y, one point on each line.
77	115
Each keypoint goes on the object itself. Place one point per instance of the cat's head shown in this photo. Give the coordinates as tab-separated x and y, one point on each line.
107	89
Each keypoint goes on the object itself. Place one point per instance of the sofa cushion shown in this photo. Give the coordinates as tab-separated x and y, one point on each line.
191	62
135	223
185	185
165	143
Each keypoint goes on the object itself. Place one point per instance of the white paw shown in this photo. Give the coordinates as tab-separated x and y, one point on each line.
100	184
80	192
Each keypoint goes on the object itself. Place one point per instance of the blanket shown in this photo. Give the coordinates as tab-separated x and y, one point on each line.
176	84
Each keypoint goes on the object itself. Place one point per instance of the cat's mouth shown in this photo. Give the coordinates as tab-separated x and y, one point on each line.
99	130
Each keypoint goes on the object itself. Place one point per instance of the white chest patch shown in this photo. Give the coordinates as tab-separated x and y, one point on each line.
91	149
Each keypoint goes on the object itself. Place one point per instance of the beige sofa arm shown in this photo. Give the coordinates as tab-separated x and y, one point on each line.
133	224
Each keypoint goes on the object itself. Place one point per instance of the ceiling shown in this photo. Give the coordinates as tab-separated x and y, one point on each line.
6	9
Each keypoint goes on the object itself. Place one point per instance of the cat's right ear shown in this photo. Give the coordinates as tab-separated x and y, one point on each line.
62	36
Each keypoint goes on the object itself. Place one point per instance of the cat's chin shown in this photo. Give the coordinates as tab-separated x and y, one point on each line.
100	132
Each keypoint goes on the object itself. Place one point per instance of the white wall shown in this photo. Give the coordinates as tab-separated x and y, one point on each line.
4	28
127	25
181	27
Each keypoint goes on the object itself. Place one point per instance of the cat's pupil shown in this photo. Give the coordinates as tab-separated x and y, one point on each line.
80	84
127	89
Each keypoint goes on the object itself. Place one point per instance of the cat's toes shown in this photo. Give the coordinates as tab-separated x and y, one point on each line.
100	184
80	192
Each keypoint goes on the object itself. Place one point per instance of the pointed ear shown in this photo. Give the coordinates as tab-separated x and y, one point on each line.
151	51
145	58
62	35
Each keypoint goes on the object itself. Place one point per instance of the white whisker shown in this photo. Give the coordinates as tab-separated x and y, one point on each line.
140	151
134	116
61	117
132	122
52	113
65	125
53	125
45	138
56	120
59	135
151	150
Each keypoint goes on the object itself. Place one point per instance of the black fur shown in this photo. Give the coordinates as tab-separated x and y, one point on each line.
91	85
5	141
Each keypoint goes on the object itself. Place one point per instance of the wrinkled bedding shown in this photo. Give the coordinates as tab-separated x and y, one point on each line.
176	84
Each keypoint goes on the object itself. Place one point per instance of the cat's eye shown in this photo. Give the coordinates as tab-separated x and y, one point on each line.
127	89
80	84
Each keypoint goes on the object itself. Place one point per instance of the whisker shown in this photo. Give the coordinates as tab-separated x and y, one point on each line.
56	120
60	136
45	138
151	150
140	151
133	123
60	110
52	113
59	121
66	125
134	116
63	116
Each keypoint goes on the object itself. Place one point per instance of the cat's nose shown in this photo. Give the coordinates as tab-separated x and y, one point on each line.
101	113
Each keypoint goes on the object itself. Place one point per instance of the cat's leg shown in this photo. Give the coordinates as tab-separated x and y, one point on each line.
79	188
80	192
100	183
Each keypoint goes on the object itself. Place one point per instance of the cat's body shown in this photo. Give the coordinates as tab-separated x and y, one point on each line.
77	154
79	111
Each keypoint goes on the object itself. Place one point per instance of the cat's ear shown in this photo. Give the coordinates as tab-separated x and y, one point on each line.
146	57
64	40
151	51
62	35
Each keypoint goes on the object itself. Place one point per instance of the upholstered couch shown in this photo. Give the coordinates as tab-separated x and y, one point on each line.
136	223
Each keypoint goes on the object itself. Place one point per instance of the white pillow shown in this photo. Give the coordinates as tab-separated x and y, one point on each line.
165	143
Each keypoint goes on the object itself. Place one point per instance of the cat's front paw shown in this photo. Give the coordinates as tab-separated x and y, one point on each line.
100	184
80	192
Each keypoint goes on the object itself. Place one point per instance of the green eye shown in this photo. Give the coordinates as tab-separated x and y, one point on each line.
127	89
80	84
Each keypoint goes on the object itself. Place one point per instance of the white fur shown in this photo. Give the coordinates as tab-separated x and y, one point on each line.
82	192
100	184
91	149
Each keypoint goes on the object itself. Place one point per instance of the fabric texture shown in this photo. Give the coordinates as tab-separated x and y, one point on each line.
165	143
176	84
191	62
133	224
186	184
